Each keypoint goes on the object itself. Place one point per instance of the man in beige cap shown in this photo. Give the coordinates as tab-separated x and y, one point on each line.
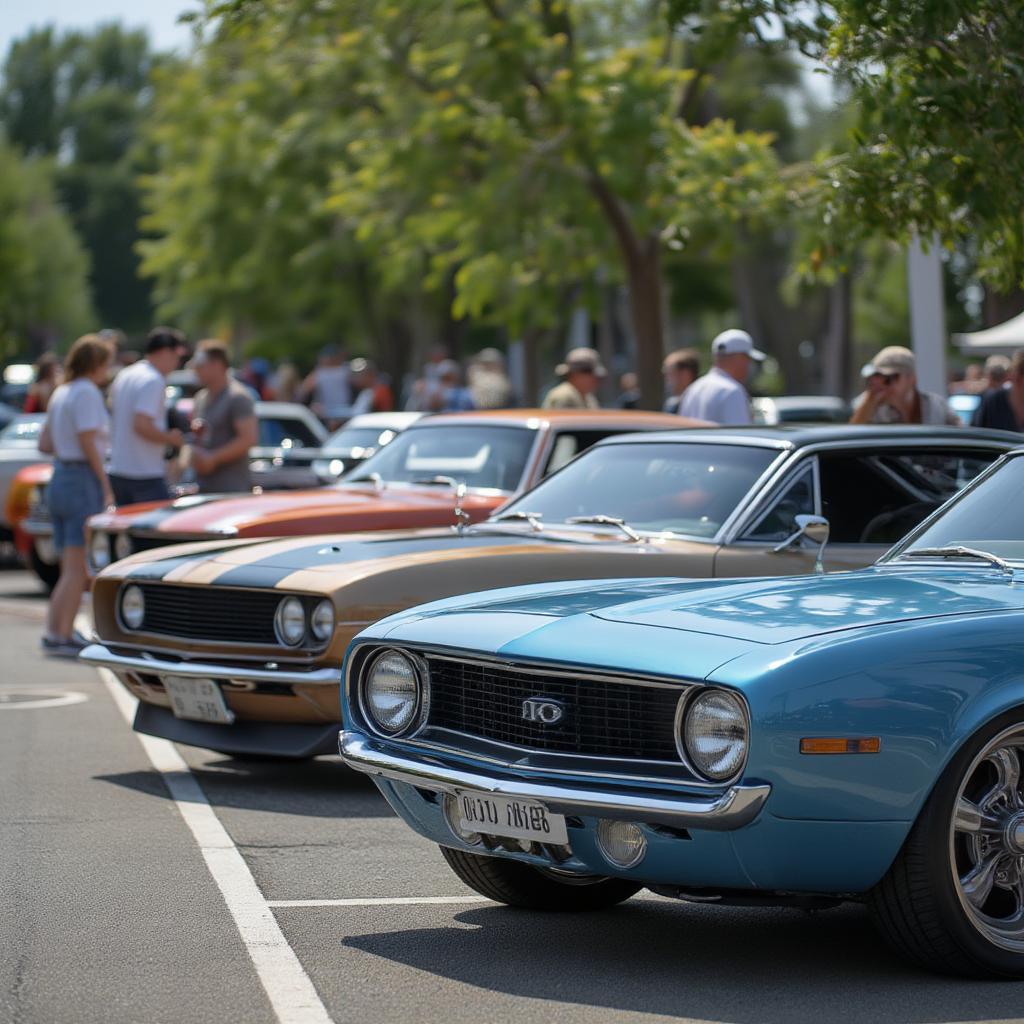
891	394
581	373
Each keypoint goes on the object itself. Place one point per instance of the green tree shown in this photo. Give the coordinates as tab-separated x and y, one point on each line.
44	296
80	98
939	148
519	148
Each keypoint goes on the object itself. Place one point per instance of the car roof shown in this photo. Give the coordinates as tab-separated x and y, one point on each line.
382	419
799	401
593	419
800	435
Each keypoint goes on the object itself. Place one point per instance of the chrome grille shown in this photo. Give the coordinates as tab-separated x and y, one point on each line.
210	613
602	718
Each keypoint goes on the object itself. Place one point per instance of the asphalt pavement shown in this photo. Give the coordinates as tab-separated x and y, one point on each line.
124	900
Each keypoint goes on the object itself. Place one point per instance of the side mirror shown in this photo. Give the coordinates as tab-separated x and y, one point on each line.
815	529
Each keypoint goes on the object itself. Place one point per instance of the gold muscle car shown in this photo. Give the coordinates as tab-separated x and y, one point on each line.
237	645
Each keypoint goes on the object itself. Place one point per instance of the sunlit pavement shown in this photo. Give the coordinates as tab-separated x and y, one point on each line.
115	907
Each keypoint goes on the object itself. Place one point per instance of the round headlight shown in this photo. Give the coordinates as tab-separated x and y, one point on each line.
99	550
290	621
392	693
321	622
122	545
133	607
715	734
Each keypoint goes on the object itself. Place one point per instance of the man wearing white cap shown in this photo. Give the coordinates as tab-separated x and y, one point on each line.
720	396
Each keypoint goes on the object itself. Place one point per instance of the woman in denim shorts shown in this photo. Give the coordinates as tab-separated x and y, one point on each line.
76	432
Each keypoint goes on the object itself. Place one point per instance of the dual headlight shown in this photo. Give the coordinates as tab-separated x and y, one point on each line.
394	693
293	622
713	732
100	545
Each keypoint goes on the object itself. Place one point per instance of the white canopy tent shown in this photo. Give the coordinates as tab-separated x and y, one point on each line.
1003	338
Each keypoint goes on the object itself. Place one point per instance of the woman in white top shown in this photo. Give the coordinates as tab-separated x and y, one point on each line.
77	433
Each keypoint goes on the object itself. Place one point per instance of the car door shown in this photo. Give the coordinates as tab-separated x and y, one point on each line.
752	552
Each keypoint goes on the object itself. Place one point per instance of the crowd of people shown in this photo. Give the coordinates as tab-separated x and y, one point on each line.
115	441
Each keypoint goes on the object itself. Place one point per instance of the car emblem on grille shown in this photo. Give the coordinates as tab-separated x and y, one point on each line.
540	709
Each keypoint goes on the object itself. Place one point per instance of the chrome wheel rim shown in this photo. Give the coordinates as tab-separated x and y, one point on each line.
986	841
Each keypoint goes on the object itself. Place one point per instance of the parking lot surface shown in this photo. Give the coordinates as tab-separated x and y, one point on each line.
139	887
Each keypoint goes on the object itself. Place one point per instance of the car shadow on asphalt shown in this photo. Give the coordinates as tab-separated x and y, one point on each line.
750	966
315	788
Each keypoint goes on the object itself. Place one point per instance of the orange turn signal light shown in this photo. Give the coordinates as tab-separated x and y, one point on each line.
840	745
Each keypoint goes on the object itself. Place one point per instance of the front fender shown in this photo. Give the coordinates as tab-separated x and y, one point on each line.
924	688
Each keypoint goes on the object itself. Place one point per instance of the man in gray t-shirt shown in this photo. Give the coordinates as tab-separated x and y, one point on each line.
224	423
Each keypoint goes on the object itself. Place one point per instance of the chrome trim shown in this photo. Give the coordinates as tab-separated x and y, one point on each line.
423	741
736	807
102	656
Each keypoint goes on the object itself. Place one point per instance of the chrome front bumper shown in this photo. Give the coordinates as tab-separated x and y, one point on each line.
98	654
723	812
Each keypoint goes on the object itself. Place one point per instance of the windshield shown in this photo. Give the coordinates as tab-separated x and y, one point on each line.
358	441
985	516
479	456
23	430
285	433
685	488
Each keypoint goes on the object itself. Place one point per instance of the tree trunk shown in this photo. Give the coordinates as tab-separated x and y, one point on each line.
643	270
838	348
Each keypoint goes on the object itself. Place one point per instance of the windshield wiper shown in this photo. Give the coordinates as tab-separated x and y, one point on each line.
602	520
434	481
533	518
959	551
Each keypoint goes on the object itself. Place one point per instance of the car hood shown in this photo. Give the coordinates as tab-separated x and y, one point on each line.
228	514
781	610
691	627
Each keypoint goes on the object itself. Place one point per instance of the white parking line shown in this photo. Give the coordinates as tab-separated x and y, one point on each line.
382	901
288	987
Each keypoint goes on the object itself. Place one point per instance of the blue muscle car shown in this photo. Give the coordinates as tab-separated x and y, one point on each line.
810	740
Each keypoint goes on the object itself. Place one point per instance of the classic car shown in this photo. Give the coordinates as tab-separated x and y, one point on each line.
800	409
443	469
207	619
19	447
360	438
289	439
804	741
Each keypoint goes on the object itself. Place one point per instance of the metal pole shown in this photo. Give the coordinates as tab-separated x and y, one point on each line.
927	315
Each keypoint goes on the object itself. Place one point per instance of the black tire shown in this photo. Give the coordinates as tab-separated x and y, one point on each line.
48	573
521	885
917	906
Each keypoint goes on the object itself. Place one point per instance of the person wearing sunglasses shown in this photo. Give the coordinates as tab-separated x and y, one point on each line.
891	394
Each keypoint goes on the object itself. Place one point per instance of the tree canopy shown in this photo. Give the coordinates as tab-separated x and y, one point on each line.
44	294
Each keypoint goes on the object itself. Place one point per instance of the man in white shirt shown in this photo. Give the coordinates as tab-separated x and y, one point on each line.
720	396
138	433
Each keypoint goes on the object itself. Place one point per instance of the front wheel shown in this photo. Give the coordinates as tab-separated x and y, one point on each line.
48	572
954	898
522	885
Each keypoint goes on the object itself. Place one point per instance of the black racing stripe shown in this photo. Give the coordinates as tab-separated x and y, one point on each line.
159	569
271	570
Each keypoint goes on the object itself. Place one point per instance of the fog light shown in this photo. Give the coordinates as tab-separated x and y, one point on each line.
452	815
621	842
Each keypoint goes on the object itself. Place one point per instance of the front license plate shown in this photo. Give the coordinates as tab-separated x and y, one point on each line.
514	819
197	699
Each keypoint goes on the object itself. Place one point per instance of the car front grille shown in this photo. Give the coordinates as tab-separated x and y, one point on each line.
210	613
601	718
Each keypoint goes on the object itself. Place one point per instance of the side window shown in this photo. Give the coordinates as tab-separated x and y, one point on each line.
877	499
779	522
569	443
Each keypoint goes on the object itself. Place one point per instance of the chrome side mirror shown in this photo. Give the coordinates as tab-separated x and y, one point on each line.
815	529
462	517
